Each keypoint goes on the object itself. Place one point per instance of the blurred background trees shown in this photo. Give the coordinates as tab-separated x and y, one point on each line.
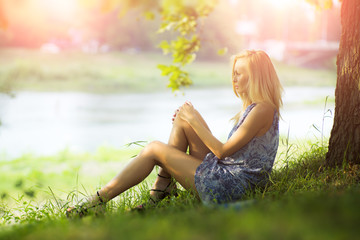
291	31
233	24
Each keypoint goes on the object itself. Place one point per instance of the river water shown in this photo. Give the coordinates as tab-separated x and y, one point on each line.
46	123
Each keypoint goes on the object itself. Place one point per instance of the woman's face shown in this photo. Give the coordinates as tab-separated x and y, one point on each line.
241	76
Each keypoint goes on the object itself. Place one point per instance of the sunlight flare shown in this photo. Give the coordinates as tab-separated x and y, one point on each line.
281	4
64	9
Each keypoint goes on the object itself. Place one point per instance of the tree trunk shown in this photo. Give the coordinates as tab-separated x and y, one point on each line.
344	144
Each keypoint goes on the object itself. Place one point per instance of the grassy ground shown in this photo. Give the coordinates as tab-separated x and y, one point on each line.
23	69
303	200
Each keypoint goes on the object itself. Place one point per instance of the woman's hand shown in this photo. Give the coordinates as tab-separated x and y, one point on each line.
186	112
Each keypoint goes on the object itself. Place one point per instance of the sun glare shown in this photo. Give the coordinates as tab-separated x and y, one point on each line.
281	3
63	9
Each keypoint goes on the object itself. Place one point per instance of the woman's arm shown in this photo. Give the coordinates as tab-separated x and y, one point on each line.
259	118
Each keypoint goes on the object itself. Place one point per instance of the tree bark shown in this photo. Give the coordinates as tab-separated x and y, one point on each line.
344	144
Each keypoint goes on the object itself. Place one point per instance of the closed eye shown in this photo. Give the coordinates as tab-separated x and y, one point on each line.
236	74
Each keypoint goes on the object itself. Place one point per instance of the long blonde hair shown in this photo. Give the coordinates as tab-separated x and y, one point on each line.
263	83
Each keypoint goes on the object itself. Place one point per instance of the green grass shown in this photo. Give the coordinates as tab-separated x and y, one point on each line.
303	200
32	70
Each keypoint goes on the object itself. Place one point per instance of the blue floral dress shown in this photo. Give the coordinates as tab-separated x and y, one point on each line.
226	180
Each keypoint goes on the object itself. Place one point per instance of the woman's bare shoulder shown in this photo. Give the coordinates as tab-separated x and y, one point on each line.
262	117
264	109
262	113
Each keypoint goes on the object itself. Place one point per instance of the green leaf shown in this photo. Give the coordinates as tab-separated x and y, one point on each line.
321	4
164	45
149	15
165	70
222	51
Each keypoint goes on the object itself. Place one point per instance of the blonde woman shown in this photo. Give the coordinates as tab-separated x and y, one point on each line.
216	172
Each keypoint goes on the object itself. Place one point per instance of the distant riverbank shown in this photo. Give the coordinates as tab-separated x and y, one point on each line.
119	72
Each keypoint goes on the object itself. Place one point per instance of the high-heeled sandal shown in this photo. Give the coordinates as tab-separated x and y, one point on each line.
83	210
163	194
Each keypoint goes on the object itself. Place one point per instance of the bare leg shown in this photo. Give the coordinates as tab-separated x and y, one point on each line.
182	166
181	136
177	163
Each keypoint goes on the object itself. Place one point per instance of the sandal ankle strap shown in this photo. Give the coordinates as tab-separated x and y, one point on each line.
100	198
164	177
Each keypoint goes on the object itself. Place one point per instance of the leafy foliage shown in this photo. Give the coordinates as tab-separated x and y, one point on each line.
179	17
321	4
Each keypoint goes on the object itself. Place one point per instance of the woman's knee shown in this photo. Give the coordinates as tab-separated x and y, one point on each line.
153	148
178	122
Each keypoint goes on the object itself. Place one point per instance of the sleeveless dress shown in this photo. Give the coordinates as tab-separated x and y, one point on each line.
227	180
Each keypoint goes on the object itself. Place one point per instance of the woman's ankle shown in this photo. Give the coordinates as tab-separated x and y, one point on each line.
163	174
97	199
